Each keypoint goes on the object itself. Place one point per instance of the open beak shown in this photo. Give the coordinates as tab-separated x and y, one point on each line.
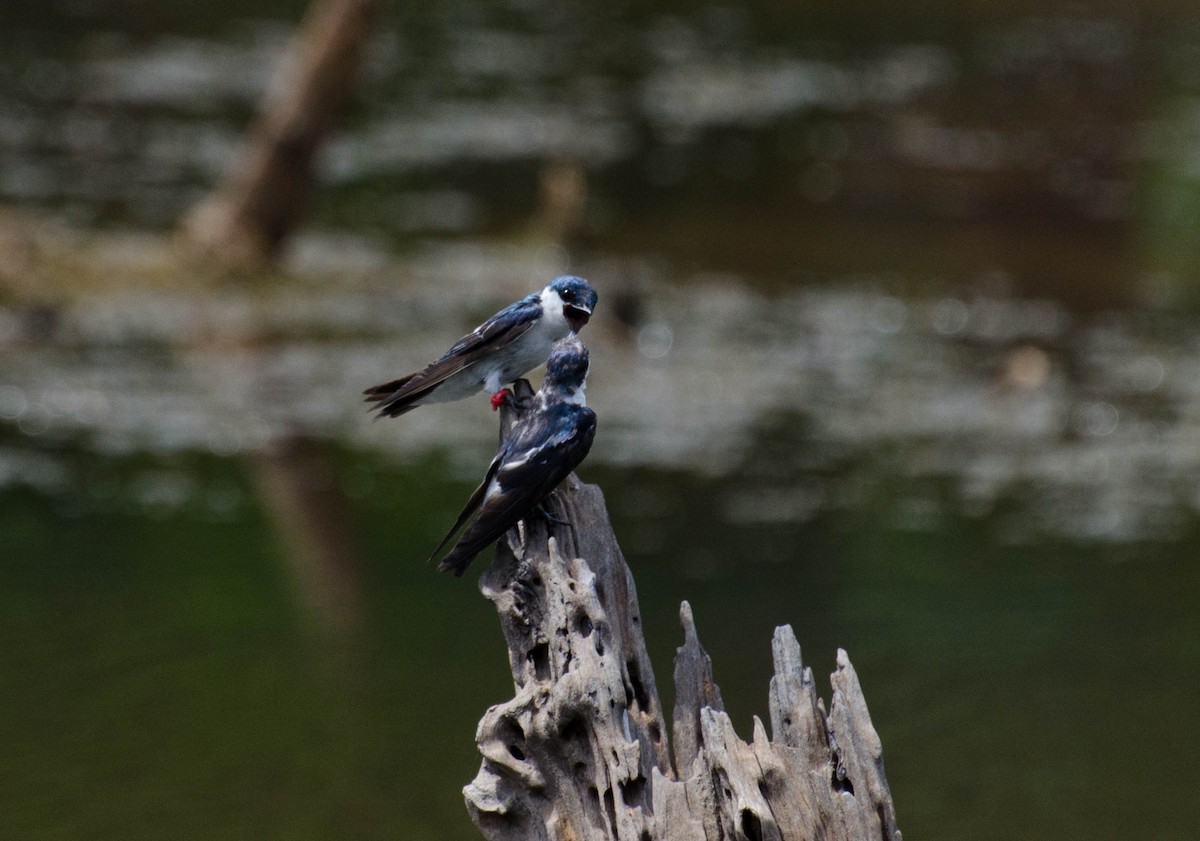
576	316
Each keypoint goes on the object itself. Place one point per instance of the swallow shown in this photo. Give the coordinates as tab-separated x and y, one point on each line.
543	447
507	345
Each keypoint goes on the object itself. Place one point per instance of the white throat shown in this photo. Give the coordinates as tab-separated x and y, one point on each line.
574	397
552	313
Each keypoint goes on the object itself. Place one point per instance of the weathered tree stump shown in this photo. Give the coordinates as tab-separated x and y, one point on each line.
581	751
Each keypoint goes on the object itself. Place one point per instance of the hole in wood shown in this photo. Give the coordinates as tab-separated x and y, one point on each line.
583	624
840	780
632	790
764	789
539	656
510	733
575	733
635	683
610	805
751	826
493	824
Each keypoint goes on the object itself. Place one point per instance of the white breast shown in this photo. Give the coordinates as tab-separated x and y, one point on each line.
530	350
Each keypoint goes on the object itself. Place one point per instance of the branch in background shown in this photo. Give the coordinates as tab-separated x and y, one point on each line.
243	223
300	495
562	200
580	752
240	226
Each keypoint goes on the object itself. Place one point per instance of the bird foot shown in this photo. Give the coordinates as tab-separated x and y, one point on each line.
500	398
547	515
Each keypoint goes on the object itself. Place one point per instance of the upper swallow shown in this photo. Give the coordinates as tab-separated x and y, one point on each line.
507	345
543	447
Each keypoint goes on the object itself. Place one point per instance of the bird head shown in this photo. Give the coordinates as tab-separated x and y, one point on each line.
578	299
567	368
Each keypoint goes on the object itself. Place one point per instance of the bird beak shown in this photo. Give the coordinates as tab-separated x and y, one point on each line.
576	316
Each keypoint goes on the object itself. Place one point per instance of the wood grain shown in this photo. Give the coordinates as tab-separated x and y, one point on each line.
581	750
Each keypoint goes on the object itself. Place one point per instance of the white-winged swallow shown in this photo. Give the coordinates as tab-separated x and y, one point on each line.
543	447
507	345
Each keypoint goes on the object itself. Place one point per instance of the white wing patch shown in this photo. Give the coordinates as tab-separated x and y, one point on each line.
513	465
493	489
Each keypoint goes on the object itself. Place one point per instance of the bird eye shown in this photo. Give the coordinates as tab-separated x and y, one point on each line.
568	295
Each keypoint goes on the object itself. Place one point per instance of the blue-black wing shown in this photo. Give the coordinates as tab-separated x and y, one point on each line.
399	396
542	451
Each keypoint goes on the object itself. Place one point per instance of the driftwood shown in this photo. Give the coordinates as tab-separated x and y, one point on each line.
581	751
242	223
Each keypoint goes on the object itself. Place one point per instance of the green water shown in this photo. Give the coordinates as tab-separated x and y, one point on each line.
162	676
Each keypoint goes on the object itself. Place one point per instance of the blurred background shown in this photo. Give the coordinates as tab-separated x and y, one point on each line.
898	342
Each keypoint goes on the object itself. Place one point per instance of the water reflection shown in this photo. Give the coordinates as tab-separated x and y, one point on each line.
299	491
1082	121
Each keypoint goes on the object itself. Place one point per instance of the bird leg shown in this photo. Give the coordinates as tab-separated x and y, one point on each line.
544	512
500	398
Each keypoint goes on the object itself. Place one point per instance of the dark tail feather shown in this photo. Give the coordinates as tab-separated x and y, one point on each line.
462	518
395	409
464	552
389	404
455	565
380	392
470	508
475	539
